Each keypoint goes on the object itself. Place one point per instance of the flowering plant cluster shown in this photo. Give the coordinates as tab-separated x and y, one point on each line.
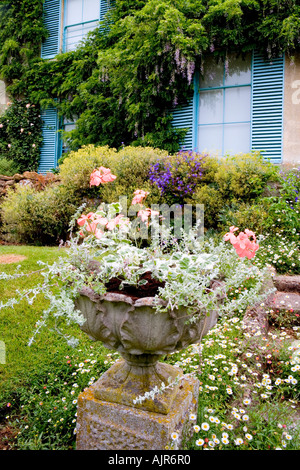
109	217
290	186
244	244
20	135
178	177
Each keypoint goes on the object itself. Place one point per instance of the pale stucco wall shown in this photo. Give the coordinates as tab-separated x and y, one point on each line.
291	111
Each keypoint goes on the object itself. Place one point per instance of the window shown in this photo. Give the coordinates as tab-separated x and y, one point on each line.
80	17
67	127
224	106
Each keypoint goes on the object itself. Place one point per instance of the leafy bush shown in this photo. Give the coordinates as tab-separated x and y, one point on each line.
75	170
38	217
8	167
20	135
227	188
130	164
244	176
42	217
213	203
285	208
244	215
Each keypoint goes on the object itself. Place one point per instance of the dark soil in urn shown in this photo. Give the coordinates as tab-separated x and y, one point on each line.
150	289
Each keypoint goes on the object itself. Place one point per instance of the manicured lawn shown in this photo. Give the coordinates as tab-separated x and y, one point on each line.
17	323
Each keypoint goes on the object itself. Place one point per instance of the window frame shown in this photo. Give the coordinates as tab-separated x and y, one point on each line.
222	123
80	24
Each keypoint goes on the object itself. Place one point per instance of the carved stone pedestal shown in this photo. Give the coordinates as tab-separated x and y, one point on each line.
102	425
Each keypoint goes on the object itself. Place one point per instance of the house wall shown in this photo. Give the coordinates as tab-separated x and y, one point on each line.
291	111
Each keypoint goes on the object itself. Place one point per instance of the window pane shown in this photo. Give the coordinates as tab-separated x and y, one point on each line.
236	138
210	139
89	27
237	104
213	73
239	71
73	12
211	107
91	10
73	34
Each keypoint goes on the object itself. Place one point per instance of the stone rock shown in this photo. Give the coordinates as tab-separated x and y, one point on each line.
287	301
287	283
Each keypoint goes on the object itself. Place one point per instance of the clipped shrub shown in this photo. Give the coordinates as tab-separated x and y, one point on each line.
38	217
244	176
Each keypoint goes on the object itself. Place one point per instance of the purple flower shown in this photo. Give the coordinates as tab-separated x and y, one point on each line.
179	176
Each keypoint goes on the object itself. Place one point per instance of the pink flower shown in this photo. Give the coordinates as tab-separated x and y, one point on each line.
91	222
139	195
244	247
119	220
98	233
144	214
100	220
27	105
92	228
84	218
230	235
102	175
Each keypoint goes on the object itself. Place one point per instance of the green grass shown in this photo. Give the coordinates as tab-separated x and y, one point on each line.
17	324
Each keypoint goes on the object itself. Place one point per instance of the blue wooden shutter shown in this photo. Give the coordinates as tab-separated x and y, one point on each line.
104	7
51	140
52	11
267	107
183	118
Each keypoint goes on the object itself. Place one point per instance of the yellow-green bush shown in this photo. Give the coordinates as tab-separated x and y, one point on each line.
42	217
244	215
75	170
244	176
130	165
37	217
212	201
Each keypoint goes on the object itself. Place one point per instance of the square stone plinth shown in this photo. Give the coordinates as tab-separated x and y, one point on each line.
102	425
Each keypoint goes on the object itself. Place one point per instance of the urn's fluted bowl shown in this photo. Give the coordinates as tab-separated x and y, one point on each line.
141	334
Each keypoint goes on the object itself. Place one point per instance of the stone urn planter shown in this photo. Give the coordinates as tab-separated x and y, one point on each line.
142	336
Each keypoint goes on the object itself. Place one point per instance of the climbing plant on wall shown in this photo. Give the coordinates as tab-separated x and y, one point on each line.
121	84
